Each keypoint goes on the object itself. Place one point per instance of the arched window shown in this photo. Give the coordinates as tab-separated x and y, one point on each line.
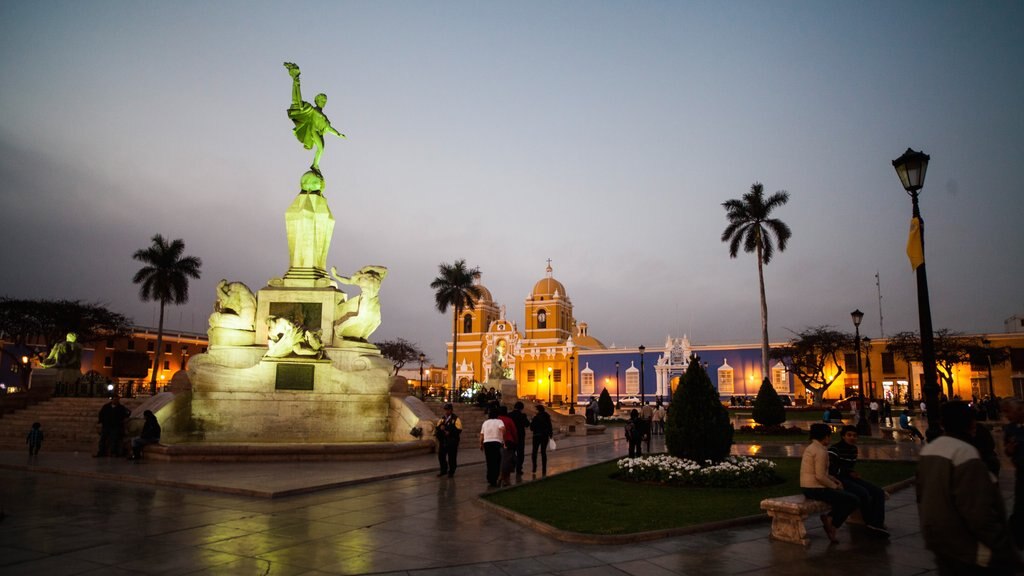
542	320
467	323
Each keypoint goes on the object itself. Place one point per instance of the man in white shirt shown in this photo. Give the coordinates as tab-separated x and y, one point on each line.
492	434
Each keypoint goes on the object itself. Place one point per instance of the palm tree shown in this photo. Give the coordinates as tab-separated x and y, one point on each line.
164	278
455	287
749	224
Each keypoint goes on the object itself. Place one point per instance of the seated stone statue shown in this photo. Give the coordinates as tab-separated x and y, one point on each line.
65	355
285	339
233	322
357	318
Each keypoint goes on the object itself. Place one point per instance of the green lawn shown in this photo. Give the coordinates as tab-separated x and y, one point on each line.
590	501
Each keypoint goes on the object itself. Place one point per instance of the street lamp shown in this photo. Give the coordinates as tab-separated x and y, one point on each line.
618	394
642	348
911	168
572	386
988	356
551	384
867	367
423	395
863	426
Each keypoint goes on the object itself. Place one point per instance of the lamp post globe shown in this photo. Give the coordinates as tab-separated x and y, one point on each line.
911	168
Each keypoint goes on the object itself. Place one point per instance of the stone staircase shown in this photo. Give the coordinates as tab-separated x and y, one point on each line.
69	424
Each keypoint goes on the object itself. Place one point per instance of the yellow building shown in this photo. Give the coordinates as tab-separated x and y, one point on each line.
542	360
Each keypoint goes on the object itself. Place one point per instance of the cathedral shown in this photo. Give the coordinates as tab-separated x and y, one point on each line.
542	359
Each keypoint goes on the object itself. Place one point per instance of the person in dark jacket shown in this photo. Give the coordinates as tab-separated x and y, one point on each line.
522	422
542	432
963	517
448	432
112	418
842	457
150	435
634	433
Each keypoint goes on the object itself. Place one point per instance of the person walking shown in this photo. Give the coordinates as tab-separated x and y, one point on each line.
492	435
508	450
448	432
634	433
34	439
817	484
542	432
522	423
962	514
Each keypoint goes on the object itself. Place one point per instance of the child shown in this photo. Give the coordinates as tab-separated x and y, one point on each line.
35	439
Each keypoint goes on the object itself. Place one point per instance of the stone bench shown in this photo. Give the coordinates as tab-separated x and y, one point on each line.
789	515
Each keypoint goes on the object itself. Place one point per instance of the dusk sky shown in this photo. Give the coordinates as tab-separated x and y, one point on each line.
601	135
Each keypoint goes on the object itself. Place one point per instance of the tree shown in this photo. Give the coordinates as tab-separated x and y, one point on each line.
951	348
697	425
164	278
455	287
25	321
768	408
750	225
605	406
399	351
809	355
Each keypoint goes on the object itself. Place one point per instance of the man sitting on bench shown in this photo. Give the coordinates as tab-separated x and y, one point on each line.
906	425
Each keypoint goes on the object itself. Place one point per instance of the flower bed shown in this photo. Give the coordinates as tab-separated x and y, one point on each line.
733	472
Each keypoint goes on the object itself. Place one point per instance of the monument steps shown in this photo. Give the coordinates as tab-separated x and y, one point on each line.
69	424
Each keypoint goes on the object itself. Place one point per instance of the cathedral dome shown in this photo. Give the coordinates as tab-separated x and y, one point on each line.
548	286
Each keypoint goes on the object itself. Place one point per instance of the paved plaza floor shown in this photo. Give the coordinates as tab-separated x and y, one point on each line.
72	514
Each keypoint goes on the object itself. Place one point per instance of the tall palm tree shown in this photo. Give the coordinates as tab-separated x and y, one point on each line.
455	287
750	225
164	278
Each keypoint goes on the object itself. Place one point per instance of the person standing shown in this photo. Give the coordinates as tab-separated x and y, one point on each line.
1013	447
542	432
522	423
111	422
448	432
508	450
963	517
646	419
817	484
492	435
634	433
842	460
34	439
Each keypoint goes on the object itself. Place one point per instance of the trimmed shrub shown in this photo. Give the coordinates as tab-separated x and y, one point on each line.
605	406
768	408
697	427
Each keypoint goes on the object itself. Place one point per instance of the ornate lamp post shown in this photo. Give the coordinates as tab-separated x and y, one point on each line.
642	348
572	386
863	426
911	168
551	384
618	394
423	389
867	367
988	356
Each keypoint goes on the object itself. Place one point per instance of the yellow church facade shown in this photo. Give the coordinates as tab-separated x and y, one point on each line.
542	359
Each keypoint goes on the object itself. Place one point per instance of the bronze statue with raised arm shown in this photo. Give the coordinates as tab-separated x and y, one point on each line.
309	119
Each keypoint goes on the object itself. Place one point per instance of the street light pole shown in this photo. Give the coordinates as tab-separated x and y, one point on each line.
867	364
551	384
988	356
642	348
572	386
911	168
423	395
863	426
618	394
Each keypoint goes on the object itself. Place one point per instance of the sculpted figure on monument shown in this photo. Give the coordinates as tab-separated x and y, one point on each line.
67	354
235	307
285	339
498	369
309	119
357	318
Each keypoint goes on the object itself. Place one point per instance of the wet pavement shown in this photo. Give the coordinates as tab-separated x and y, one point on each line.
72	514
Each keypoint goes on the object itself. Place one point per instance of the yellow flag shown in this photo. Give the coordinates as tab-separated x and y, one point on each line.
915	247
